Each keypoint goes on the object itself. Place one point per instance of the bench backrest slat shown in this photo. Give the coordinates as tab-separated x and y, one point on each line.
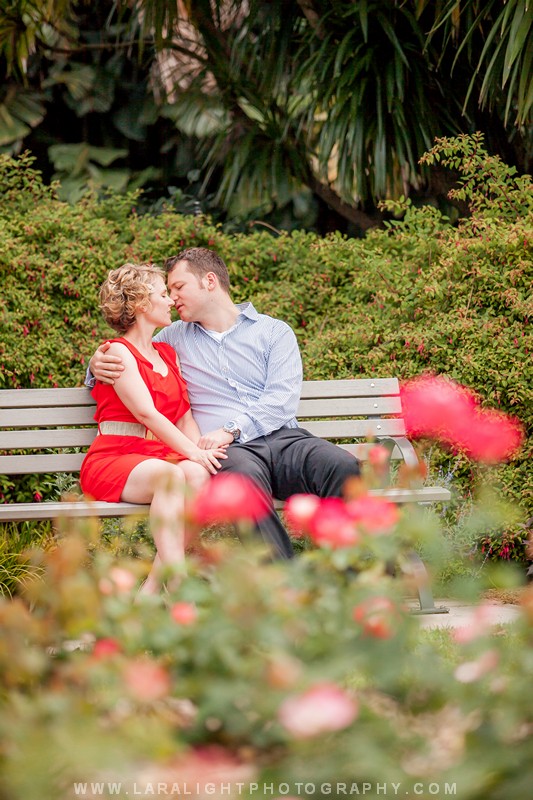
40	419
47	417
49	462
31	398
349	407
355	429
57	437
361	387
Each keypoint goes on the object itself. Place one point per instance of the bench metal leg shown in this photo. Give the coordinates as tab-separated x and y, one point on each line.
416	568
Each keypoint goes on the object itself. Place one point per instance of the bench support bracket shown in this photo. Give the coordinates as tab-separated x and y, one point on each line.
415	568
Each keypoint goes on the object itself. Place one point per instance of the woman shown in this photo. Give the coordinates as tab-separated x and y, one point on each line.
146	450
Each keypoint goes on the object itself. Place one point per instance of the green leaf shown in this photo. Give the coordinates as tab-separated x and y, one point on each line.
106	155
78	79
20	111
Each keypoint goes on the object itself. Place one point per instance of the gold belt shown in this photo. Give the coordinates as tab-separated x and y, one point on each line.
126	429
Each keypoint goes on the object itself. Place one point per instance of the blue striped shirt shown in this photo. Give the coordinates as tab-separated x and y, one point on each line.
250	374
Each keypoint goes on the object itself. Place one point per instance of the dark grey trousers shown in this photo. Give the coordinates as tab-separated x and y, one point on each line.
286	462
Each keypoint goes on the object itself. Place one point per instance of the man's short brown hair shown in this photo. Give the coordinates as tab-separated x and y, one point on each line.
200	261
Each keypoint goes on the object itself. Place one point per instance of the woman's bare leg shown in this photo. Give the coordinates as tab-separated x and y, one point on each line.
161	484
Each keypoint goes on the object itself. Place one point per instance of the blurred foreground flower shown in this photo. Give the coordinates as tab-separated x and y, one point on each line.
378	456
209	770
373	514
146	680
229	498
441	409
479	623
471	671
323	708
118	581
105	648
332	522
299	510
377	617
283	670
184	613
489	436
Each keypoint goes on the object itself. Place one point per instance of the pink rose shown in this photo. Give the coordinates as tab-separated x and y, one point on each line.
299	511
118	581
377	616
146	680
373	513
470	671
227	498
477	624
332	526
211	770
323	708
184	613
104	648
489	436
432	406
443	410
378	457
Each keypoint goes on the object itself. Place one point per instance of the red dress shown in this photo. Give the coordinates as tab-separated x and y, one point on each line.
110	458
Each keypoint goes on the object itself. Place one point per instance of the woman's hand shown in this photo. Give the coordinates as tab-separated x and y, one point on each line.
209	458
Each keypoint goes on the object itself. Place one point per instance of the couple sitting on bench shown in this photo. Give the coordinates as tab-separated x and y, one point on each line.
216	391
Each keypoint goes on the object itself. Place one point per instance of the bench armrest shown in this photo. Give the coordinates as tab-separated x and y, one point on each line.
404	446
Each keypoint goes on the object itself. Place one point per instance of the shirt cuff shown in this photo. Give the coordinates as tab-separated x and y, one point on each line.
247	428
90	380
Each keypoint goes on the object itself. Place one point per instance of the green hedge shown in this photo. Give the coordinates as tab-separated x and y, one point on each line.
418	296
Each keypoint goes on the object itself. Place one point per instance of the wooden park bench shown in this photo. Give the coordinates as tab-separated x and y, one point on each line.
53	428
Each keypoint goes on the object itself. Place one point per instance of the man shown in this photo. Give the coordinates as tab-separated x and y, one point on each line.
244	373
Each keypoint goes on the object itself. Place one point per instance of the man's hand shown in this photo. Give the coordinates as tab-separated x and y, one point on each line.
214	439
104	367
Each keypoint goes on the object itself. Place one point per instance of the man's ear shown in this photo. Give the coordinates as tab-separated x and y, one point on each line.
211	280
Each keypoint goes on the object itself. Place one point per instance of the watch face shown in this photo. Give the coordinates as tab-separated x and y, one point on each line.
232	428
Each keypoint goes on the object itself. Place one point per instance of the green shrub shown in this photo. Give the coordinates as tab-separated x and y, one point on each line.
418	296
205	685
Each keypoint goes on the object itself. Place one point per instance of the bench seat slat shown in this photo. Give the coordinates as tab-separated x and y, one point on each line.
17	512
362	449
425	494
32	511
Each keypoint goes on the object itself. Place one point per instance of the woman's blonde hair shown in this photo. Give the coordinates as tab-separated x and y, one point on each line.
125	292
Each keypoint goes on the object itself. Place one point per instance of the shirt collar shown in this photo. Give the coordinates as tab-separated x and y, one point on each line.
247	310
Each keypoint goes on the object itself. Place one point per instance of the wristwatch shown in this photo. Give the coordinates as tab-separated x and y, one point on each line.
231	427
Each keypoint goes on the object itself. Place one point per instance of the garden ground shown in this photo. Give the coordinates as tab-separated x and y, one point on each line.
460	613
